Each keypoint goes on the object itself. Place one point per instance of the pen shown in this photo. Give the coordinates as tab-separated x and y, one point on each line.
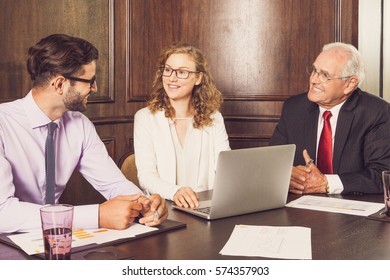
147	194
309	162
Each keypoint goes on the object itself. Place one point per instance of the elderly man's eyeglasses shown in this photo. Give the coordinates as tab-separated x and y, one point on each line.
180	73
91	82
322	76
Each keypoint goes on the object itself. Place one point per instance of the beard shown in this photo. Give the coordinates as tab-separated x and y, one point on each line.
74	101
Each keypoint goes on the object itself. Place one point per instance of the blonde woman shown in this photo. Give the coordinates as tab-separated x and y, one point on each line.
178	136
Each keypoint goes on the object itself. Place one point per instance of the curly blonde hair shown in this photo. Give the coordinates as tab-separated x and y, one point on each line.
206	98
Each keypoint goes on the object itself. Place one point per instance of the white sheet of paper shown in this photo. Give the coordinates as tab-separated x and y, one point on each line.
32	242
336	205
269	242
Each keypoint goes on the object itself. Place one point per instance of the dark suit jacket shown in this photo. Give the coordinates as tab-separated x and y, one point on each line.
362	140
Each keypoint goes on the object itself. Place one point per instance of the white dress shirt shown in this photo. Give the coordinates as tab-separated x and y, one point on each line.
23	132
334	182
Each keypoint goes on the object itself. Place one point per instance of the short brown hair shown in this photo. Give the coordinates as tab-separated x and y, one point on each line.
58	54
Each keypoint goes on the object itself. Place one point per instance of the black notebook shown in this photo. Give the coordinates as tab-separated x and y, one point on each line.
104	251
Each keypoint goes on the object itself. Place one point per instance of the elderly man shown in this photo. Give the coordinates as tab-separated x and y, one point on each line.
342	133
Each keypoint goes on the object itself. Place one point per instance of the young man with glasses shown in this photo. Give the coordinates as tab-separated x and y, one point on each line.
62	69
346	150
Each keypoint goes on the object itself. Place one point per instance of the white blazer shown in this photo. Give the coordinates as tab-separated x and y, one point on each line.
155	153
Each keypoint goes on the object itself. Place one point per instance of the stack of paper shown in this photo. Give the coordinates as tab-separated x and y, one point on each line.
336	205
269	242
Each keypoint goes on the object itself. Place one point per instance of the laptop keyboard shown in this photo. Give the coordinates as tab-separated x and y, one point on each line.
205	210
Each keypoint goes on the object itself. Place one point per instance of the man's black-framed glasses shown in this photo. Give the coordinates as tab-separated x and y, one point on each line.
90	82
322	76
180	73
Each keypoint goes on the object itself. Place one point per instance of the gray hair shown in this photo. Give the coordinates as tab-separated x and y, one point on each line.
354	65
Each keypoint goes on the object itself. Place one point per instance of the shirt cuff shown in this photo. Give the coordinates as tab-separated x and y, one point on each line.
86	216
172	192
335	184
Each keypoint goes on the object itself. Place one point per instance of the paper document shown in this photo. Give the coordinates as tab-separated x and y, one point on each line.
32	242
269	242
336	205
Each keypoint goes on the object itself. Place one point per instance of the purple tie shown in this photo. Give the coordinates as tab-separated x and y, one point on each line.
50	164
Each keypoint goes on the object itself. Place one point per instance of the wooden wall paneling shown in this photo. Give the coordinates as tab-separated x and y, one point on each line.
347	19
122	132
25	22
257	50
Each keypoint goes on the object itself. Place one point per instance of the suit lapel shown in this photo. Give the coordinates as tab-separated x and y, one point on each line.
311	123
344	123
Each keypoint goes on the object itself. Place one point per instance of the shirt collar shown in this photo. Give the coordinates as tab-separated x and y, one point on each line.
335	110
36	116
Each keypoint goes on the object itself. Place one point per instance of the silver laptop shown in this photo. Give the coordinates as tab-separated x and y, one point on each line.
246	181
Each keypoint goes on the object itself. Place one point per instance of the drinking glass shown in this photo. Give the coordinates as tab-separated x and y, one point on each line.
386	191
57	222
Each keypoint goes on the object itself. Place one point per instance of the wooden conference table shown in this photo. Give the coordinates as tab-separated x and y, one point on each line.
334	236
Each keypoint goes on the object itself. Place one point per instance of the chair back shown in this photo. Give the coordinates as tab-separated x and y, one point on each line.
128	167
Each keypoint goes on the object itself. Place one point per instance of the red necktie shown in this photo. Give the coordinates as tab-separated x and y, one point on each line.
324	158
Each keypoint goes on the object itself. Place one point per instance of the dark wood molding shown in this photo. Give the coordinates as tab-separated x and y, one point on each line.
130	93
129	41
251	137
112	120
254	97
251	118
337	23
110	96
